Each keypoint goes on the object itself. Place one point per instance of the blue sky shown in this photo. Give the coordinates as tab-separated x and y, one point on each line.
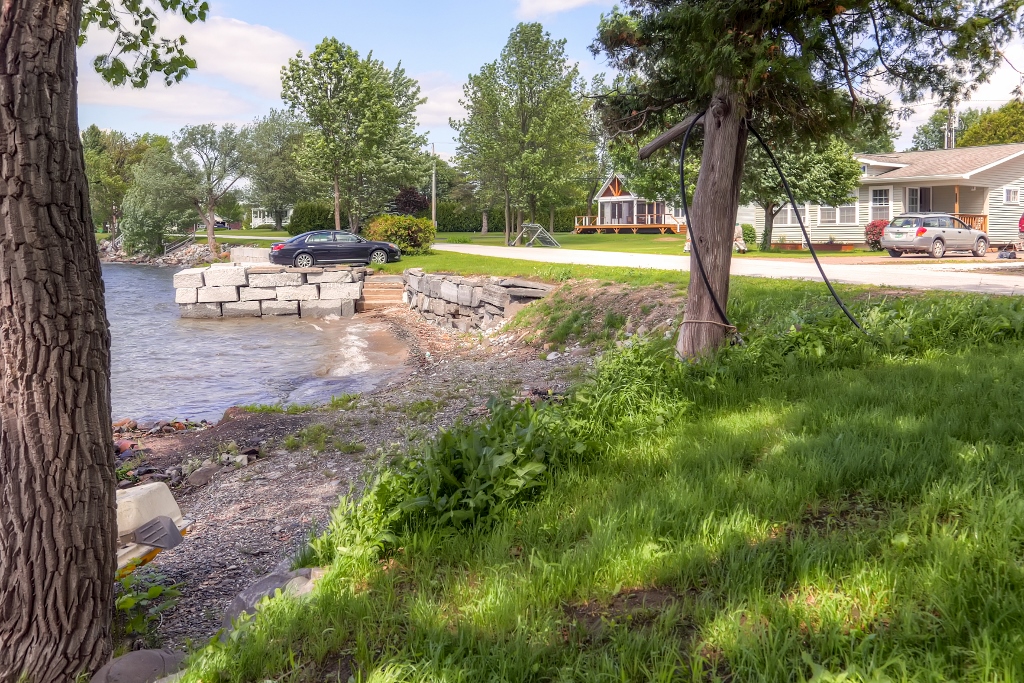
243	45
241	48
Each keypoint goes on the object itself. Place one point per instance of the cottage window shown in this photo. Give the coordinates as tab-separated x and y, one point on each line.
787	216
1011	195
881	205
845	214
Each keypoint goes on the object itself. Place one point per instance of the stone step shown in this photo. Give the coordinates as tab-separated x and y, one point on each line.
384	286
362	306
389	279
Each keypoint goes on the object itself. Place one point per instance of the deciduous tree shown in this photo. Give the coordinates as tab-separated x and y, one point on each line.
820	173
58	531
363	120
932	133
1000	127
109	158
275	183
210	162
803	69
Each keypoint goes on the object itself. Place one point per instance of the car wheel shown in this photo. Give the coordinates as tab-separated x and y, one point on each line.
895	253
379	256
304	261
980	247
938	249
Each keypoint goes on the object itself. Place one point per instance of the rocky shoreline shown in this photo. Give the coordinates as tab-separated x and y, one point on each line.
192	255
258	484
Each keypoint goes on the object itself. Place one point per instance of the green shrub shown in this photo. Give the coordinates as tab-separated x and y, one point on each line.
412	235
309	216
749	235
459	239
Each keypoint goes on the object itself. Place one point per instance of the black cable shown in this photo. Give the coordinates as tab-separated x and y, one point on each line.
800	220
689	225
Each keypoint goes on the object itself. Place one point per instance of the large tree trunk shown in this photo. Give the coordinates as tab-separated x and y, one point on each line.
715	203
57	505
508	218
337	205
483	228
770	211
210	219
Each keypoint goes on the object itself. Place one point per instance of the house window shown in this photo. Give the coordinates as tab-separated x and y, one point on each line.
787	216
881	205
845	214
1011	195
913	199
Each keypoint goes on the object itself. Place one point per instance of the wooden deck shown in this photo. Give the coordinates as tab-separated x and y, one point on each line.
587	225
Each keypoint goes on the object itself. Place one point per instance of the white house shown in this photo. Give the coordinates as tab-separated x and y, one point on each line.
264	217
619	210
981	185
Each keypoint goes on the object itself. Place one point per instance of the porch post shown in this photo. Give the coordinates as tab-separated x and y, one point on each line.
956	201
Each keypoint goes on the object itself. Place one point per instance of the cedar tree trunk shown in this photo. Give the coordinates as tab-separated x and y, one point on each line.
57	505
483	228
715	203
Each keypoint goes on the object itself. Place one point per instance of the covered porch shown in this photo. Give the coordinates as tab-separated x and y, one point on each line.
969	203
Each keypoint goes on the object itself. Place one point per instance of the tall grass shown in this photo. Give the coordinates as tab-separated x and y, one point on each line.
816	504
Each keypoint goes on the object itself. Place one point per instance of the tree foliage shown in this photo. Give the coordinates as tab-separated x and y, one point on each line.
109	158
275	183
310	216
526	138
1000	127
932	133
819	173
412	235
155	202
362	116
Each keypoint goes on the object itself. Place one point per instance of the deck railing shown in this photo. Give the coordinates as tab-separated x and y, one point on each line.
639	219
978	221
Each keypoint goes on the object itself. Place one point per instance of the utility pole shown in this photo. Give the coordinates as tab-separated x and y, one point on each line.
433	188
952	121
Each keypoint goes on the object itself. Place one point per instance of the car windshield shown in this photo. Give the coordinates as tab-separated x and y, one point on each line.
905	222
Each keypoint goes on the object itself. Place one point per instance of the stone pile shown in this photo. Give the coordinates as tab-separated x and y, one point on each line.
466	303
248	290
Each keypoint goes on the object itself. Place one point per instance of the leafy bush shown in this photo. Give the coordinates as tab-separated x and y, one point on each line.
749	235
459	239
309	216
412	235
410	202
873	234
468	476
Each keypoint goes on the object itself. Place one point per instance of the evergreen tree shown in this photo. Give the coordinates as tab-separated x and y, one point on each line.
1000	127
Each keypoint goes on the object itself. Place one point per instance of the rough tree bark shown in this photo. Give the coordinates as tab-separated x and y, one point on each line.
508	217
770	212
715	203
209	214
57	504
483	228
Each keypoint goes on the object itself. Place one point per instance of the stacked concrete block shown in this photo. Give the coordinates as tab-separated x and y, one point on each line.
255	290
466	304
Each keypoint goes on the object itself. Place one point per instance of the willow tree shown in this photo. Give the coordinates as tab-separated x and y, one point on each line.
801	69
57	506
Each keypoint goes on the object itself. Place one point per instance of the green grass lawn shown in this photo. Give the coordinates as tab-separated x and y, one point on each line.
464	264
815	505
637	244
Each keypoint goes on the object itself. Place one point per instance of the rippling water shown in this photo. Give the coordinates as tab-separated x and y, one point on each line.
164	367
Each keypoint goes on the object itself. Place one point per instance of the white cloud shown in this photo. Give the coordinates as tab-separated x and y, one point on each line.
238	74
531	9
443	93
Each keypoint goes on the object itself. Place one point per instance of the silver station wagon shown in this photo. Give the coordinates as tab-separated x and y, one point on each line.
933	234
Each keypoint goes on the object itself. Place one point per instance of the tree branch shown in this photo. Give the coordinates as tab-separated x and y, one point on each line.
675	132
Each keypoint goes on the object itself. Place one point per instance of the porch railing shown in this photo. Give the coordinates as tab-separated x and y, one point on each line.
978	221
639	219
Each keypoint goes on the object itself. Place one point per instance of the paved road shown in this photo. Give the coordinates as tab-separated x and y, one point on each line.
952	277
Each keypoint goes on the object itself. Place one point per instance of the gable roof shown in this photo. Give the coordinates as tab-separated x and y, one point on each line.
611	179
947	164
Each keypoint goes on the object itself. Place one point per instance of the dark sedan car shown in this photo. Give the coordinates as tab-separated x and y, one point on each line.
330	246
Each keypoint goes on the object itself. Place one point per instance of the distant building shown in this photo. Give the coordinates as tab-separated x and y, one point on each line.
263	217
619	210
982	186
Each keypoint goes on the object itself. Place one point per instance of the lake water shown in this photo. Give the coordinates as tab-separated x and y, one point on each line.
164	367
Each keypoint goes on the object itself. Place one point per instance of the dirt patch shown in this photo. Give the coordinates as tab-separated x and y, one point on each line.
635	608
669	239
848	513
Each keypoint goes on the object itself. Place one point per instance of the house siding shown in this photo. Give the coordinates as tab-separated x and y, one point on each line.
1003	218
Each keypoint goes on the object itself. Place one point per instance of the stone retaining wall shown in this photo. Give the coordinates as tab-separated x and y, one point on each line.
467	303
250	255
252	291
